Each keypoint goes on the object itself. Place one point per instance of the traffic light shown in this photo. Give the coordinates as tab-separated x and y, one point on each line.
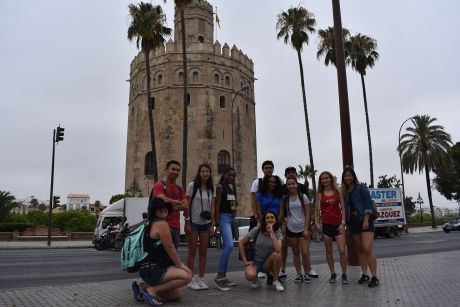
59	134
56	201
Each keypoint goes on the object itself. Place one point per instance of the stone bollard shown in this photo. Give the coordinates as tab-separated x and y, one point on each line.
15	235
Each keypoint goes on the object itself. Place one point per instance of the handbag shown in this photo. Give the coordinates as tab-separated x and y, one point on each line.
249	248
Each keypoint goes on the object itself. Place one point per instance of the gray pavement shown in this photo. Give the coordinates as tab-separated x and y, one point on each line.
421	280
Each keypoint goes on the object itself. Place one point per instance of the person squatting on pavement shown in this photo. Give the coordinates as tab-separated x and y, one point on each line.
162	272
295	214
226	209
330	208
201	196
267	248
172	193
359	207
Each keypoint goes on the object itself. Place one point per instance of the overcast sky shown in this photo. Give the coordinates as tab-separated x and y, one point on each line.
66	62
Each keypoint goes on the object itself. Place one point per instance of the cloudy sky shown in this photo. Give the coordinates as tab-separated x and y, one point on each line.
66	62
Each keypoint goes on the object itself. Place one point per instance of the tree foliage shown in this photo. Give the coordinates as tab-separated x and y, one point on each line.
7	203
391	182
74	220
117	197
447	181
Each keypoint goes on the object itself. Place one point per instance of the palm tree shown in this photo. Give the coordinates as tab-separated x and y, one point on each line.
148	28
363	55
294	27
7	203
326	45
424	147
181	5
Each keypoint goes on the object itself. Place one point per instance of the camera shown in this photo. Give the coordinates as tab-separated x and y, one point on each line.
205	215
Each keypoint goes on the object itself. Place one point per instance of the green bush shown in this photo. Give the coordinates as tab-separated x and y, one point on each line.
17	218
11	227
37	218
74	221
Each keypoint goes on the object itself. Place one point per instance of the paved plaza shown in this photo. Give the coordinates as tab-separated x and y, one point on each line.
421	280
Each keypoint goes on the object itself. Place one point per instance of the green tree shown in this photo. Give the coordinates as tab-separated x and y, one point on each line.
148	28
293	27
180	6
7	203
424	147
42	207
117	197
326	45
363	55
391	182
74	220
447	181
37	218
409	206
34	203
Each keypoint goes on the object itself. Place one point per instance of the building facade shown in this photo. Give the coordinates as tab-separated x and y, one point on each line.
77	201
221	110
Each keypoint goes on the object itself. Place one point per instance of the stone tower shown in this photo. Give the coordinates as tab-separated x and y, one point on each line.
221	114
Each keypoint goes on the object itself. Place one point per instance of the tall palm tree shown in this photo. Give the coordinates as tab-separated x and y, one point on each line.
148	28
326	45
363	55
181	5
294	27
424	147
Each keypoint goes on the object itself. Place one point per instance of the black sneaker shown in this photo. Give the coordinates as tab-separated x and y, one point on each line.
344	279
364	279
299	278
374	282
333	278
269	279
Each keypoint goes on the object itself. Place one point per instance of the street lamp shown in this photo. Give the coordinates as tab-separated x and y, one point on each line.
242	89
400	160
419	201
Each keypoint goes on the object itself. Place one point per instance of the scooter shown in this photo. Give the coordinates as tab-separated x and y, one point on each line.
120	237
106	239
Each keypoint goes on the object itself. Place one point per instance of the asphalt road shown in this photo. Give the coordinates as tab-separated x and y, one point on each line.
40	267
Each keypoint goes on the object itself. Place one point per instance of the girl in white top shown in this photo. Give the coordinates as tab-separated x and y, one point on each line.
201	196
295	212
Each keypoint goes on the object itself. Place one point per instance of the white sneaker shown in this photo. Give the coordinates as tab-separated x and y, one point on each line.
255	284
194	284
282	274
261	275
312	273
202	284
278	286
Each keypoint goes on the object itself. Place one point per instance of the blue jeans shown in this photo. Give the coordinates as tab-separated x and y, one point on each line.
225	224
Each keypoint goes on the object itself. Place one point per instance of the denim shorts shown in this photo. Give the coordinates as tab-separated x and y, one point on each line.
200	228
152	274
259	265
356	225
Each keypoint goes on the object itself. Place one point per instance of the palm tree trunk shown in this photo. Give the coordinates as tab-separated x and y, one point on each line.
371	163
430	199
185	123
153	156
307	125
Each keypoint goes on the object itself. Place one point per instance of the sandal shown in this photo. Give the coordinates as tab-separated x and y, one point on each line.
138	296
153	300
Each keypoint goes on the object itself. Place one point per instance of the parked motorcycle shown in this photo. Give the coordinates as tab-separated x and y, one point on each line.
106	239
120	237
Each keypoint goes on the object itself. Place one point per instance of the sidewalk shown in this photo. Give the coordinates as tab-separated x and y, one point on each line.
422	280
424	229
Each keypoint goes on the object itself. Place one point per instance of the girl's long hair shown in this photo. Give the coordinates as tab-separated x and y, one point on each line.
333	183
353	174
263	225
197	180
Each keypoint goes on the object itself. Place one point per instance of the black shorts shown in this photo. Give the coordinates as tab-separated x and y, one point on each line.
293	234
331	231
356	225
152	274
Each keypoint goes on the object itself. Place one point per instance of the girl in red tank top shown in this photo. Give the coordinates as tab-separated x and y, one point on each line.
330	206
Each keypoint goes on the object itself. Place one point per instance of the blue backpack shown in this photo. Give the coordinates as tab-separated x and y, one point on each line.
132	253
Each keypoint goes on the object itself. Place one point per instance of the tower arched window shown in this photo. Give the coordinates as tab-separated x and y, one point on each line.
148	165
181	77
222	102
227	81
195	76
216	78
223	161
201	38
160	79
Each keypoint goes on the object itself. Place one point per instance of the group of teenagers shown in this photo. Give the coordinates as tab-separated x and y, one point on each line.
281	218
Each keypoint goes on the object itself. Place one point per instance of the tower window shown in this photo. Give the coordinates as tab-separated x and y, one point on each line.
201	39
222	102
181	77
160	79
247	109
216	78
223	161
148	165
188	99
152	102
227	81
195	76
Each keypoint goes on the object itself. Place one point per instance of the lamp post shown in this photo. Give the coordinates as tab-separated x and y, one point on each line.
400	160
242	89
419	201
